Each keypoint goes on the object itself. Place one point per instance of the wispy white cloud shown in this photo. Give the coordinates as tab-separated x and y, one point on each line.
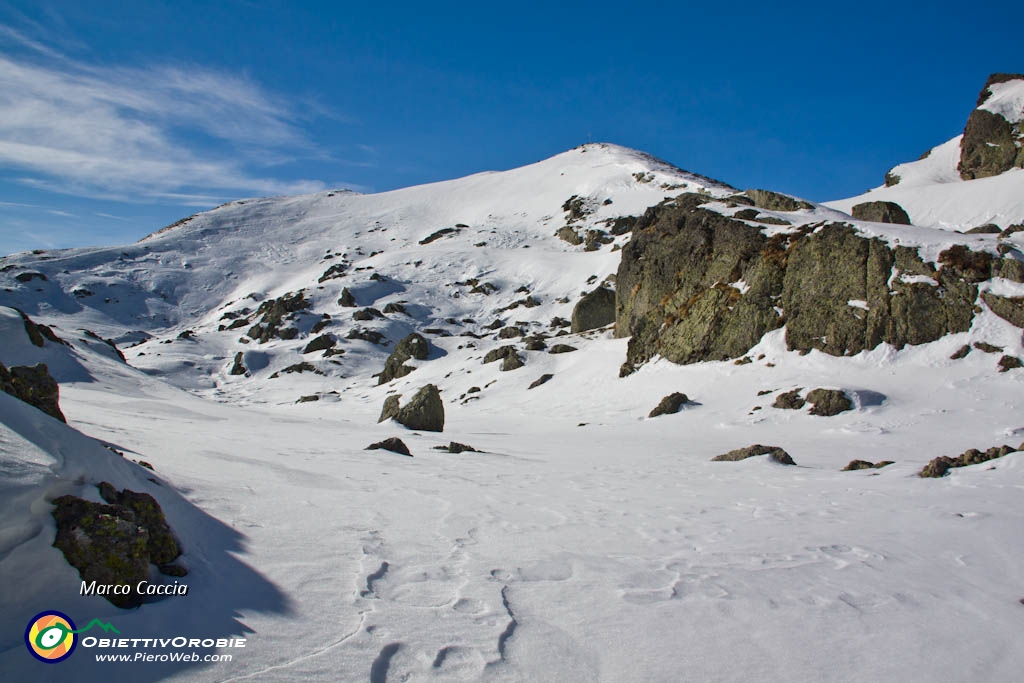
182	133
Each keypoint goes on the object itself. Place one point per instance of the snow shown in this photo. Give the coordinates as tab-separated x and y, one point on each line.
1007	100
586	542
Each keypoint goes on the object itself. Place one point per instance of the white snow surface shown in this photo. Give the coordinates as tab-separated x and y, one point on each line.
586	542
1007	100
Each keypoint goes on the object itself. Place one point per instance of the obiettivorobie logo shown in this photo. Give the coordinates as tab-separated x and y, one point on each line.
51	636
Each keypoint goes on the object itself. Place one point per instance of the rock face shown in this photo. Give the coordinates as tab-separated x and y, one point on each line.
881	212
835	290
594	310
669	405
775	453
424	411
33	385
991	145
412	347
115	544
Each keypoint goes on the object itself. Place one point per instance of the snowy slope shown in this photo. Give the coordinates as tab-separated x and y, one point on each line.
587	542
932	192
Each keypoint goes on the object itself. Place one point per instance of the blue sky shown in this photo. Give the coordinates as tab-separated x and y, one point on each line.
117	118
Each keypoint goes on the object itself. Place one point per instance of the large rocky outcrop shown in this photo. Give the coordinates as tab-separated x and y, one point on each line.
991	145
33	385
694	285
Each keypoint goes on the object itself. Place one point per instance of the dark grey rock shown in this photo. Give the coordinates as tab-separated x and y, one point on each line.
987	229
512	362
961	352
881	212
865	465
594	310
424	411
33	385
562	348
670	405
543	379
238	367
499	354
390	409
321	343
1007	363
412	347
346	299
393	444
367	314
774	452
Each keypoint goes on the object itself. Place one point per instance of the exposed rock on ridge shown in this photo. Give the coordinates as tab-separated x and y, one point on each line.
695	285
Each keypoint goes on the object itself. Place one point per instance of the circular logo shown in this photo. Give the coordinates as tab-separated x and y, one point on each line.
50	637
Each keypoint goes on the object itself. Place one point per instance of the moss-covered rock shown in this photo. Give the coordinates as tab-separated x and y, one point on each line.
774	201
33	385
989	146
790	400
828	402
115	543
104	543
161	545
938	467
694	285
1010	309
881	212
